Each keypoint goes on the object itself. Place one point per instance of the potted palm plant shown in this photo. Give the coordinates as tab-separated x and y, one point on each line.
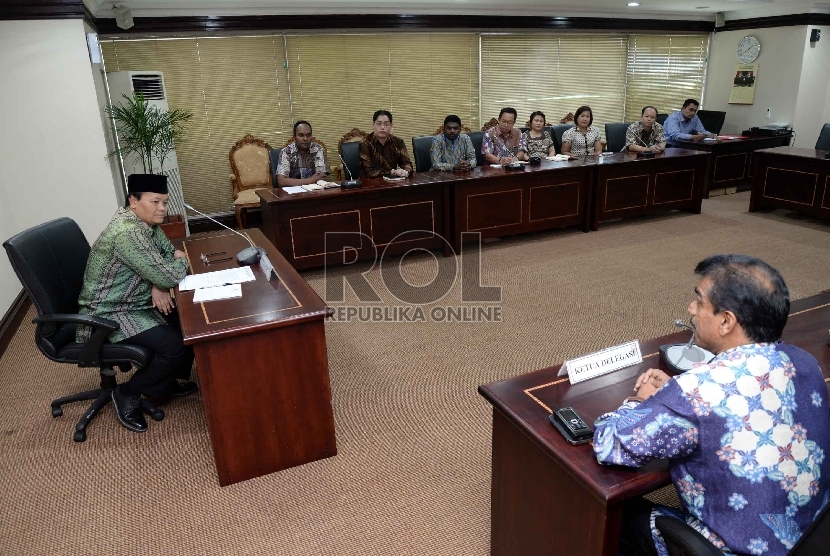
148	134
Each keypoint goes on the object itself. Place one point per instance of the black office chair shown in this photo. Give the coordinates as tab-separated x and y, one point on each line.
615	136
274	157
712	120
350	151
49	261
683	540
661	118
558	131
420	150
823	143
476	137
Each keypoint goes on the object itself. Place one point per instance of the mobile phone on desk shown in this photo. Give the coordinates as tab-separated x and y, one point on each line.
571	425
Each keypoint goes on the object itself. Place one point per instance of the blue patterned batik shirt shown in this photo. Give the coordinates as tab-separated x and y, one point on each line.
746	437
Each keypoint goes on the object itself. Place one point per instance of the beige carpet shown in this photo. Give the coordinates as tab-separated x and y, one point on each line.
413	471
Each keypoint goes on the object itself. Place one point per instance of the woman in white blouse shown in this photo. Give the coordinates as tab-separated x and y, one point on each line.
583	138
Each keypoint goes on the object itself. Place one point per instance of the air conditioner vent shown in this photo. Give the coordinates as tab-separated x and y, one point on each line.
151	86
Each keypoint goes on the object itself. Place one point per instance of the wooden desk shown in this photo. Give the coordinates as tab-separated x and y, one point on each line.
792	178
549	497
262	364
413	212
631	186
496	202
731	162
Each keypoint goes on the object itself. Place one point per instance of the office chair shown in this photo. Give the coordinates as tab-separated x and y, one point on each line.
661	118
823	143
683	540
476	138
252	170
274	158
712	120
615	136
558	132
350	152
420	150
49	261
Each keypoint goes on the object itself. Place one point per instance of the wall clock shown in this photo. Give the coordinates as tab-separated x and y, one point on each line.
748	50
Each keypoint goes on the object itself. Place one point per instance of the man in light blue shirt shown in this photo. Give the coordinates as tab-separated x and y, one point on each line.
685	125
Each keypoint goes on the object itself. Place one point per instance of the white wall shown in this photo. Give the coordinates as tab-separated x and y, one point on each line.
52	143
777	85
812	90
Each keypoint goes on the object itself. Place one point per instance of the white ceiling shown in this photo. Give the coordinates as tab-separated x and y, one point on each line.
671	9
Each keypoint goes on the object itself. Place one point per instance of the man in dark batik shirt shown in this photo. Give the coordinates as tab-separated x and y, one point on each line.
303	161
383	153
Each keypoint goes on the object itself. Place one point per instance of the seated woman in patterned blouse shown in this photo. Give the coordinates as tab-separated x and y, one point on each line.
537	139
584	138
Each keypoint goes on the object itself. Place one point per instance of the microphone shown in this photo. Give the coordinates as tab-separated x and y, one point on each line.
351	182
647	154
246	257
682	357
680	324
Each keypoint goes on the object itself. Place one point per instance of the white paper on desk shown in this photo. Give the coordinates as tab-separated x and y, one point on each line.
294	189
558	158
495	166
217	278
709	140
217	293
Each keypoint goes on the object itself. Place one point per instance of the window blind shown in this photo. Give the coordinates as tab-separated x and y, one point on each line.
231	85
338	82
555	74
663	71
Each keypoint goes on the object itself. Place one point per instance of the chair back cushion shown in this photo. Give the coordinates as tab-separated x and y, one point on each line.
476	137
558	132
816	538
350	151
823	142
712	120
420	149
251	166
615	136
50	260
274	156
661	118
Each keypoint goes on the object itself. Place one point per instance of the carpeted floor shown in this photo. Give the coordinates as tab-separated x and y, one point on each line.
412	475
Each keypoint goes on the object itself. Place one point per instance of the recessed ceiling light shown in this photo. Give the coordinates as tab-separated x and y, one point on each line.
632	4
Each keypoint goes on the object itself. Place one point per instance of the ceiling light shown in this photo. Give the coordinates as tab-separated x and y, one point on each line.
632	4
702	8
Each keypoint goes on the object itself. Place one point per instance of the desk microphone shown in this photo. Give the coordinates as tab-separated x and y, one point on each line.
246	257
682	357
650	154
350	183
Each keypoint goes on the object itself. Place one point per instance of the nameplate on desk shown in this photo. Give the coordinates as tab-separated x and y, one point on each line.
602	362
267	267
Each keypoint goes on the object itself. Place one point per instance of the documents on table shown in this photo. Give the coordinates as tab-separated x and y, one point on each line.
558	157
217	293
294	189
218	278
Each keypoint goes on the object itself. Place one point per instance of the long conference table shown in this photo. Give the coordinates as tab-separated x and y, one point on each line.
792	178
432	210
262	363
549	497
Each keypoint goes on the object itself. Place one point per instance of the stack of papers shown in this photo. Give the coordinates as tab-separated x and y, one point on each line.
558	157
294	189
222	284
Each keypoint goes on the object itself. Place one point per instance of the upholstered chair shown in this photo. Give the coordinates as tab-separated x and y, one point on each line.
251	171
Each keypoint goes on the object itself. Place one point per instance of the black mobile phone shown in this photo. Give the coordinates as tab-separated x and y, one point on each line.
571	425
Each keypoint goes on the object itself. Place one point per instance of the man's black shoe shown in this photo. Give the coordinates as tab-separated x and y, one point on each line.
183	388
129	411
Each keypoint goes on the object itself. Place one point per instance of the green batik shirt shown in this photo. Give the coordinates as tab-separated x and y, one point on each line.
126	260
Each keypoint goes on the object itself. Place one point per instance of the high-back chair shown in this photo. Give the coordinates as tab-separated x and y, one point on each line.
49	261
558	132
352	136
420	150
251	169
712	120
823	142
615	136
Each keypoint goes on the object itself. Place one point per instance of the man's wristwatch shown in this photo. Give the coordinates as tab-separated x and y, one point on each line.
633	399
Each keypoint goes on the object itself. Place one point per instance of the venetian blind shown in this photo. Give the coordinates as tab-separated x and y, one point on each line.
231	85
663	71
555	74
338	82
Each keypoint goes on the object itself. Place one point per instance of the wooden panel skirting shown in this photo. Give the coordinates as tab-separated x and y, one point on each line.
201	224
12	319
217	24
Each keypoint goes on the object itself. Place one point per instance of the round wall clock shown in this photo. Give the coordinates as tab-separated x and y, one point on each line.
748	50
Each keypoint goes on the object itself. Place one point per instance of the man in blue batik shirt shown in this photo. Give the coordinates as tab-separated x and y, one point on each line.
685	125
452	150
745	434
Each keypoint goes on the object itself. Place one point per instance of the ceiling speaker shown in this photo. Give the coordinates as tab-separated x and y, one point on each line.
720	20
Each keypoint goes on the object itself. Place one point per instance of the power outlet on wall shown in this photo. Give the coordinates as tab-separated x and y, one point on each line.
768	112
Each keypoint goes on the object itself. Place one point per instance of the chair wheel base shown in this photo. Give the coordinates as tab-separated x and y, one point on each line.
57	411
157	415
79	436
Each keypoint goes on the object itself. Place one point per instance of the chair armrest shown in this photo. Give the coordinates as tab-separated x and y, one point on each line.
101	329
683	536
